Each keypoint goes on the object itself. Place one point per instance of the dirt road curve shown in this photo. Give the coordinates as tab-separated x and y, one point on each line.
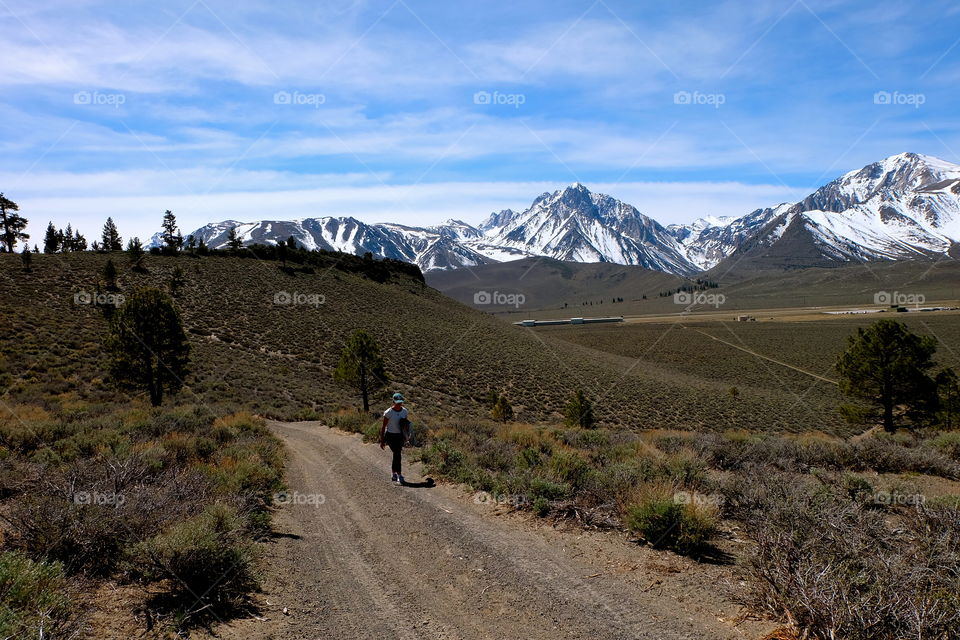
376	560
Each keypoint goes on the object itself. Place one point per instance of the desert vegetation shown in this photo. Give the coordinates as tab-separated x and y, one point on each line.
138	494
691	446
844	538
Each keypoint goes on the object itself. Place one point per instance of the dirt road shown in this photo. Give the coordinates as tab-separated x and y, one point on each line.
763	357
374	560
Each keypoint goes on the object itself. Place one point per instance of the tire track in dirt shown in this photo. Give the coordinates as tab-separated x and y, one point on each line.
761	356
378	560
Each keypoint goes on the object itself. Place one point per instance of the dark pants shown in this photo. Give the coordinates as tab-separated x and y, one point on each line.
395	442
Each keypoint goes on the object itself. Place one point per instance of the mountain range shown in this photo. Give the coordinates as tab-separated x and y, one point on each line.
905	206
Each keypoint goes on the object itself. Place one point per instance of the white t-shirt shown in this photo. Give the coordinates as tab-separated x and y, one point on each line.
394	418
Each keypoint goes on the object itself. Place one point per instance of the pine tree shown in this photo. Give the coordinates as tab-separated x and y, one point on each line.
111	237
79	243
110	275
234	243
886	365
12	223
579	411
147	345
948	388
51	240
502	411
361	366
170	233
177	280
135	249
26	258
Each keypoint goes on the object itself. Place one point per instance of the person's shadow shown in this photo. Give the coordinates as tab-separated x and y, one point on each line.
426	483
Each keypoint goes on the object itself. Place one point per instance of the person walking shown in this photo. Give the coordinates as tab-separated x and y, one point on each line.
394	432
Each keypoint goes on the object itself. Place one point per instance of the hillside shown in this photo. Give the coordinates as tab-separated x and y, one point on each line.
546	283
276	359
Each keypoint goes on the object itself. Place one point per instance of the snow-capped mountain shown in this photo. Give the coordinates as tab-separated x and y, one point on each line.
906	206
569	224
709	240
577	225
437	247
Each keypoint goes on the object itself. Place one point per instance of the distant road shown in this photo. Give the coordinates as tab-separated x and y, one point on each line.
761	356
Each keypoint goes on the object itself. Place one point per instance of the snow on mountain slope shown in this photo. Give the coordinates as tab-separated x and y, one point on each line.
431	248
575	224
905	206
569	224
709	240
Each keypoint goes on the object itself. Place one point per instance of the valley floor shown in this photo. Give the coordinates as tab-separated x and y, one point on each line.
372	559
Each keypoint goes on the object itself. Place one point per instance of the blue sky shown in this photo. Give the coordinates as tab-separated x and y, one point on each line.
412	111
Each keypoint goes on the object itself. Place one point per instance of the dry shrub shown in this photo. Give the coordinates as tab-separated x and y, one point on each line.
836	569
84	537
737	451
665	522
36	599
241	421
947	443
207	559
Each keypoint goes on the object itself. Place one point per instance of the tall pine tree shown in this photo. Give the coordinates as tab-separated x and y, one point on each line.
135	249
171	236
361	366
111	237
51	240
148	347
887	366
233	240
79	243
12	223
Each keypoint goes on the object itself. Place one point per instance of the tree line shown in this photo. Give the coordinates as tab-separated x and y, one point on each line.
172	242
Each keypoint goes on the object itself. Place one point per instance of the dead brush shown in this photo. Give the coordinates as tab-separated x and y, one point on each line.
837	570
